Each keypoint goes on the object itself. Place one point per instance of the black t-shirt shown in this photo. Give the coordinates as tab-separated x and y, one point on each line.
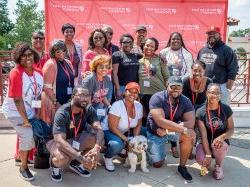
63	120
201	97
128	66
160	101
62	82
219	123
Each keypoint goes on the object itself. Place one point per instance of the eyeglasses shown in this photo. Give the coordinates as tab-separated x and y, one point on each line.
134	93
101	66
25	56
83	95
98	38
40	38
214	93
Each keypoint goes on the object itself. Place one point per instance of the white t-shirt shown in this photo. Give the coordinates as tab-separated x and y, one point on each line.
22	85
118	109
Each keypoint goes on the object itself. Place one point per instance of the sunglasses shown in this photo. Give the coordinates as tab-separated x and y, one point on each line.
176	87
36	38
109	33
127	42
104	66
98	38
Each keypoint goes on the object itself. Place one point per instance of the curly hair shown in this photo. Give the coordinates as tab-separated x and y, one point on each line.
91	40
59	45
68	26
20	49
98	60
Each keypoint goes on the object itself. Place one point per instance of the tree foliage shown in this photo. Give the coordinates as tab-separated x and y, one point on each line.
5	23
240	32
28	20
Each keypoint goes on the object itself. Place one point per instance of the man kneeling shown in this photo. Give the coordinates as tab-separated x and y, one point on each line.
170	111
77	136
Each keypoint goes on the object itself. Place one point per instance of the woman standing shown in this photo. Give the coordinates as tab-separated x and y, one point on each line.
153	74
37	41
97	42
176	55
99	85
124	115
23	102
125	65
195	85
74	50
58	82
179	61
216	125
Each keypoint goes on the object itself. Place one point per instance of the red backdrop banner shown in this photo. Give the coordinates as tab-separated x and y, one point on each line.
192	18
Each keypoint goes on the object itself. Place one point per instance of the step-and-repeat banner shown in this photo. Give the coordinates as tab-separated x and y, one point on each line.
192	18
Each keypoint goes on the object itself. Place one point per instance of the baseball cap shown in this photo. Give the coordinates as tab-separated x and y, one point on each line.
175	80
213	29
141	27
132	85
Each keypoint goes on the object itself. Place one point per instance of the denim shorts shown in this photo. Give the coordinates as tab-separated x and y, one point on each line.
157	146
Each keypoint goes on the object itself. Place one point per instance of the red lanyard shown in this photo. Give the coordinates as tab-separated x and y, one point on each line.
133	114
172	113
34	84
194	94
66	71
76	128
101	90
213	129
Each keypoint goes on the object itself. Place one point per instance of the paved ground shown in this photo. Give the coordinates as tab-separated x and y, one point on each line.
237	170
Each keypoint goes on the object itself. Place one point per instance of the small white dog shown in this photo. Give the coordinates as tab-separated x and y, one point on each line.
137	153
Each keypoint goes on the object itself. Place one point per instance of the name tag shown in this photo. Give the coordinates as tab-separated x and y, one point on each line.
101	112
36	104
76	145
146	83
69	90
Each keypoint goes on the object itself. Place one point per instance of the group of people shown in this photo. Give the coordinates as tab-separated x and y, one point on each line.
96	101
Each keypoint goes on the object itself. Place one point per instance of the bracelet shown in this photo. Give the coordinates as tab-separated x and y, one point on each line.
208	156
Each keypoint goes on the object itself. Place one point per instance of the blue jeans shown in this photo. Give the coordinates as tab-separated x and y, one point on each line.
157	146
114	144
225	94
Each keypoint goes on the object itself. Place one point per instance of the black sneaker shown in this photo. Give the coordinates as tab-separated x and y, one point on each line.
26	174
184	173
79	169
56	174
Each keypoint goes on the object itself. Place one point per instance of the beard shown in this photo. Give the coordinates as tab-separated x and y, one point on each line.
80	105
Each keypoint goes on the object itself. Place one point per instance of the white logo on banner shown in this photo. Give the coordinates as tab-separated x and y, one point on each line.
133	26
184	27
70	8
210	11
116	9
91	26
162	10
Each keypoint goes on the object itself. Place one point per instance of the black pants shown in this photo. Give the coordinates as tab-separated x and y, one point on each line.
145	103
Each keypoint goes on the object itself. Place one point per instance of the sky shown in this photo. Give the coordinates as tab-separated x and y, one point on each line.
238	9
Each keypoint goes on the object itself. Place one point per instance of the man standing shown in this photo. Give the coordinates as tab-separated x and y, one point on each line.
141	34
78	136
170	113
221	62
109	33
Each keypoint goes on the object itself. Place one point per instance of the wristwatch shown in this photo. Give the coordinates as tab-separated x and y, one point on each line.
185	130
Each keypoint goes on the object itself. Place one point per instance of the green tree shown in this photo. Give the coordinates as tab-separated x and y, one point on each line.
28	20
5	23
240	32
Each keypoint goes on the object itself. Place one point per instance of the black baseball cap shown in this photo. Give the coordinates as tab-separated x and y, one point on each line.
141	28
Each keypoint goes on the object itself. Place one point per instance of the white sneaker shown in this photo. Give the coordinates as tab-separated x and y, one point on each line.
109	164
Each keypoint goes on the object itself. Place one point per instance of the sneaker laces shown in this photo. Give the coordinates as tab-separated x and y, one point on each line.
56	171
